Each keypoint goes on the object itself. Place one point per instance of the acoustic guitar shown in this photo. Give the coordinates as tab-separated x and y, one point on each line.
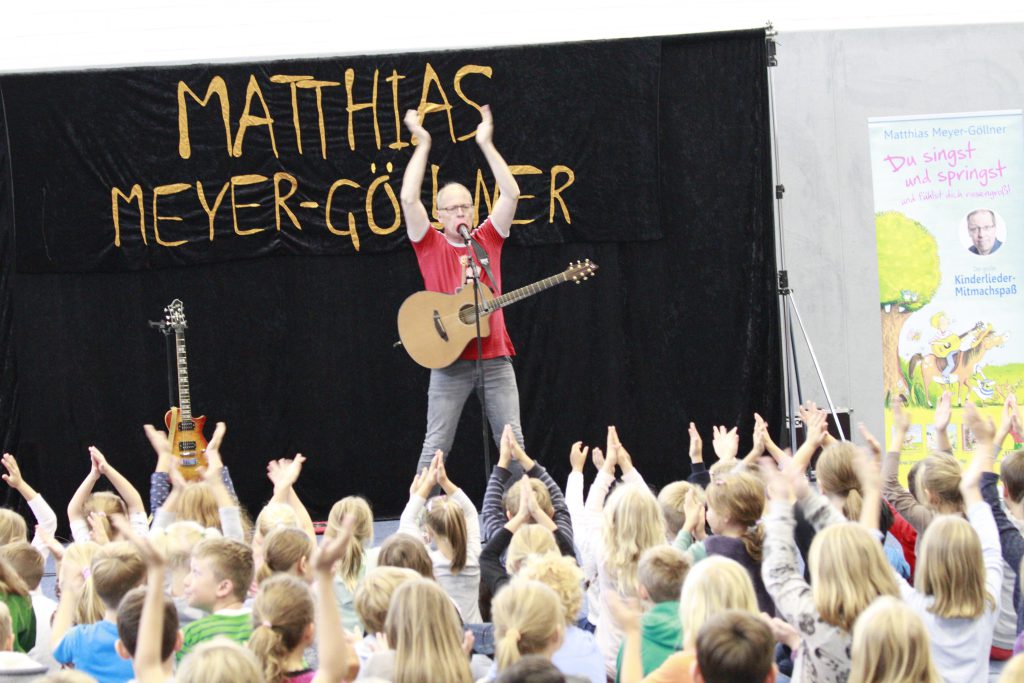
947	345
188	445
435	328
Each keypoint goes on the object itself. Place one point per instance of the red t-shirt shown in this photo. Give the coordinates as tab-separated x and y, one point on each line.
442	272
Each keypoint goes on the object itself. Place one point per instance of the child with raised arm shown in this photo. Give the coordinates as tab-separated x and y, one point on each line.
500	496
451	521
959	573
46	518
352	516
89	513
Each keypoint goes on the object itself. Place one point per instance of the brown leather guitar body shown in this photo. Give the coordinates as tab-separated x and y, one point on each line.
436	327
188	445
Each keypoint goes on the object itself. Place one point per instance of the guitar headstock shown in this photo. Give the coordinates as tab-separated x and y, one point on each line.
174	314
580	271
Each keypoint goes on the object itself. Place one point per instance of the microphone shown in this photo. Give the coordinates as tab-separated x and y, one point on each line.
464	231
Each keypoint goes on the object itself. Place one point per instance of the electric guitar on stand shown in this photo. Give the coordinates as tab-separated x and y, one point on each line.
188	445
436	327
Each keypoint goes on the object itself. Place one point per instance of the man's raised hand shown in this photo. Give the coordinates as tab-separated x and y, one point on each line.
412	122
485	131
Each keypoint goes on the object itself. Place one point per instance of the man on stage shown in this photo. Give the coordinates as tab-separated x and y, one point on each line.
444	263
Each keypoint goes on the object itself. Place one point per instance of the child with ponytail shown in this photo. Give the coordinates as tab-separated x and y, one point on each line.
451	522
735	504
352	515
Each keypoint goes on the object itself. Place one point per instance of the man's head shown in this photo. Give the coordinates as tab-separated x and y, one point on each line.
455	208
735	646
221	571
981	226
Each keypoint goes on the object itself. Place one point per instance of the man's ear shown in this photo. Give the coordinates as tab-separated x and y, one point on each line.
122	651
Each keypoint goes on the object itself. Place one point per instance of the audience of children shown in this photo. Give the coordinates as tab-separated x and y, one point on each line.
744	572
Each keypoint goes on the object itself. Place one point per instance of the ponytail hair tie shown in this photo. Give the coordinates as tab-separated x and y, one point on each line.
514	633
267	624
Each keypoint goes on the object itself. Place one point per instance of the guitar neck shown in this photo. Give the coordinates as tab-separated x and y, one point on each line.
524	292
184	398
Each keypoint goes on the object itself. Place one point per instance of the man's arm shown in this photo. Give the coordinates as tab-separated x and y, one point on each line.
417	222
505	208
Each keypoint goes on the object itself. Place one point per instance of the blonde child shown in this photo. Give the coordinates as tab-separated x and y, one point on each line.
221	571
847	565
891	645
352	516
16	665
579	654
672	499
614	535
116	569
959	573
73	573
287	619
90	513
451	522
425	636
715	585
371	602
528	619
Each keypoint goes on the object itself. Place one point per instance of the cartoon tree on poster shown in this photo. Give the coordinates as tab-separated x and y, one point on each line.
908	276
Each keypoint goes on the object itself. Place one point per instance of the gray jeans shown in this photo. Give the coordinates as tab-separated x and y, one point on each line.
449	389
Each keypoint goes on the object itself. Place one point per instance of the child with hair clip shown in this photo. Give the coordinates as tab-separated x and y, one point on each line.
959	572
90	513
423	638
451	522
715	585
891	645
209	503
847	566
735	504
353	516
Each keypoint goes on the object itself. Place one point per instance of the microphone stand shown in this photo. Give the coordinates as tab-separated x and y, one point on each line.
473	248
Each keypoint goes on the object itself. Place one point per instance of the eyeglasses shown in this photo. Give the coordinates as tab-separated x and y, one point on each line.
975	229
466	208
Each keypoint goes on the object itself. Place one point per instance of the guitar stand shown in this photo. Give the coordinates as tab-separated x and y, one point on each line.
167	331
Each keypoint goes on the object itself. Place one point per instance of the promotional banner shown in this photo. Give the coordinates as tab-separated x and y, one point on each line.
949	221
130	169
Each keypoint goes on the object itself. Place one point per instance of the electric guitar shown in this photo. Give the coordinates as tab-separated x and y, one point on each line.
435	327
188	445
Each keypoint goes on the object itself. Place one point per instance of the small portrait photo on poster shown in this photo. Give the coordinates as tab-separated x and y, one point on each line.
983	231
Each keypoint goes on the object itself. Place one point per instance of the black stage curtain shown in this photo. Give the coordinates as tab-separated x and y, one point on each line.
291	345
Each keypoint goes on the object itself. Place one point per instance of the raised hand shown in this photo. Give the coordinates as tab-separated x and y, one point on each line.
13	476
505	447
412	122
97	528
900	422
777	484
578	456
943	411
214	462
485	131
725	442
597	455
442	475
696	445
692	508
284	472
982	427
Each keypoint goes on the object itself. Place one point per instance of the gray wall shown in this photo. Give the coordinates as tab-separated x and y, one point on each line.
826	86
